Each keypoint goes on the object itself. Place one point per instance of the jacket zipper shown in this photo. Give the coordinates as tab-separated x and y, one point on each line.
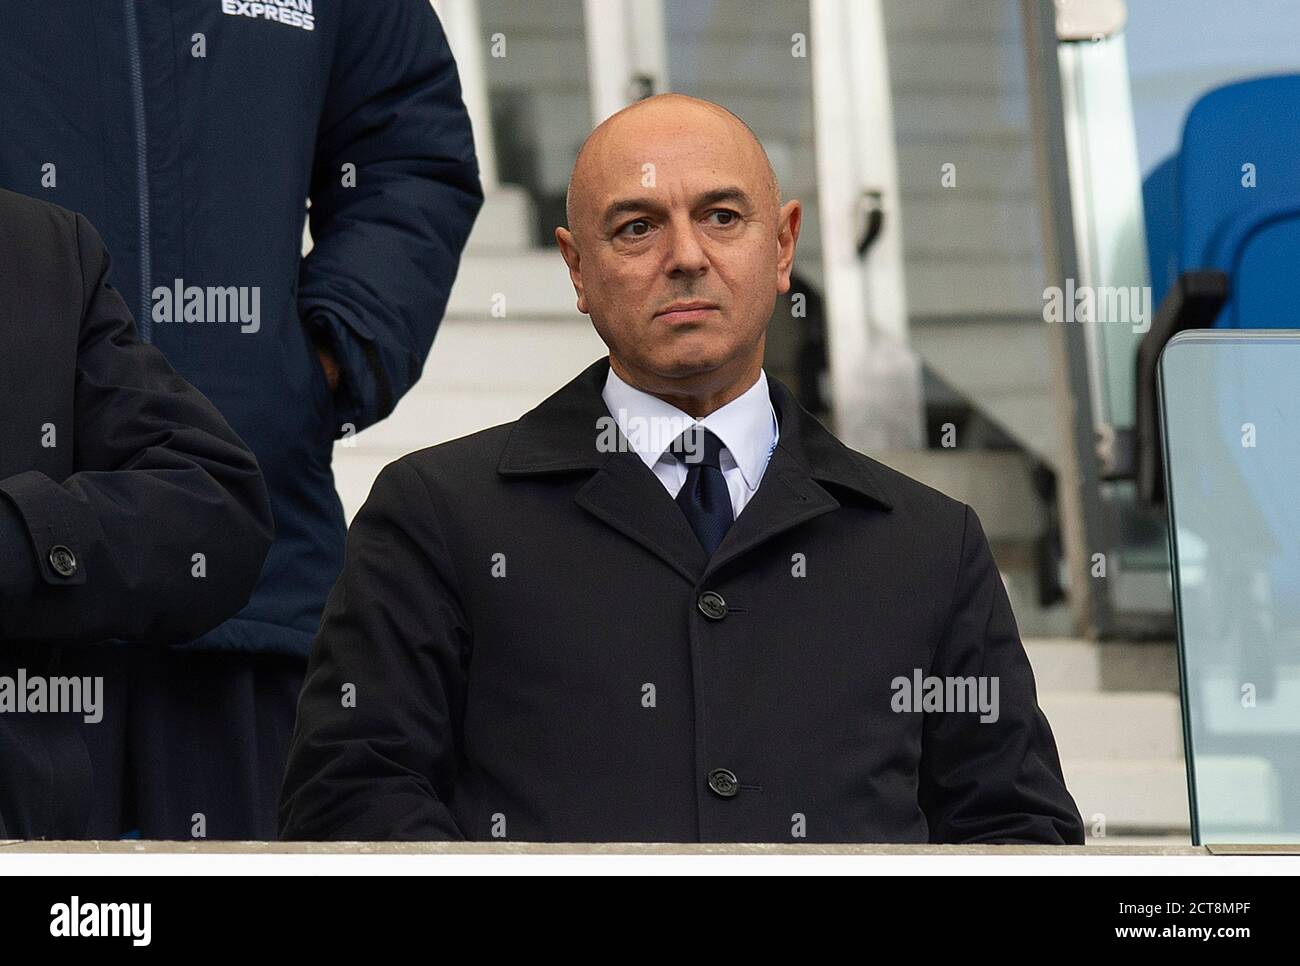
145	321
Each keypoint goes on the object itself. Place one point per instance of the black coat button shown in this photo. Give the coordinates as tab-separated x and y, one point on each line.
723	783
712	605
63	560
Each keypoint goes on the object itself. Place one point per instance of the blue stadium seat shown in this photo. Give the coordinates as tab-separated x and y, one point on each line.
1160	206
1252	123
1223	233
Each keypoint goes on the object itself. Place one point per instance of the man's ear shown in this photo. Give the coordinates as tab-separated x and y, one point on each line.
787	236
569	251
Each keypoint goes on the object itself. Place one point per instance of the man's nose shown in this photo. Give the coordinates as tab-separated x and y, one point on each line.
686	256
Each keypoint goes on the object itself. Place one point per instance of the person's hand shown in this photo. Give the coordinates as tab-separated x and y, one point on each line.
330	366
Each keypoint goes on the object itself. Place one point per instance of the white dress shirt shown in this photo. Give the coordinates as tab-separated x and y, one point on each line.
747	427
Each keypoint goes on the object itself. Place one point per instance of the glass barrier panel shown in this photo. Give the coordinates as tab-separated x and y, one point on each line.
1230	402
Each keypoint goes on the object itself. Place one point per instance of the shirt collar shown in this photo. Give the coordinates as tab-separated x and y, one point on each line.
556	436
747	425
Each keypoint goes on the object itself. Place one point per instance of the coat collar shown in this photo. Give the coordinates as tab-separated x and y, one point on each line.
560	436
747	425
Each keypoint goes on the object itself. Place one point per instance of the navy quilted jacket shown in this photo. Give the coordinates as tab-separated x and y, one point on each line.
194	134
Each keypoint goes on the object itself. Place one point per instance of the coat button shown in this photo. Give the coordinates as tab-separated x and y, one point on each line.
63	560
712	605
723	783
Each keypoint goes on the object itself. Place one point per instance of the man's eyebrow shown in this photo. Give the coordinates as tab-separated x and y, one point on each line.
626	206
738	195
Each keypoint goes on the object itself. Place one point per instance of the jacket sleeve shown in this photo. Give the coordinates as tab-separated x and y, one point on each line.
997	780
395	190
160	478
373	756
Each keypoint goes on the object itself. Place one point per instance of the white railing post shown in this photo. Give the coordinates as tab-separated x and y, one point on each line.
875	375
461	24
625	39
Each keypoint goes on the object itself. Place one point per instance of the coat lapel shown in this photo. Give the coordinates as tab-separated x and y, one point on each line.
792	491
786	497
560	436
627	495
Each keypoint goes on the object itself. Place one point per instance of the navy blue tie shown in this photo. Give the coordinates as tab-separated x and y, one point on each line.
704	497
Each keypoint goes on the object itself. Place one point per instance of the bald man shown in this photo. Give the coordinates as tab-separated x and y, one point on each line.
667	604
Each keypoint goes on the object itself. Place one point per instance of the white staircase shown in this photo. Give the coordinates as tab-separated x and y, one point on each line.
479	374
1114	712
511	336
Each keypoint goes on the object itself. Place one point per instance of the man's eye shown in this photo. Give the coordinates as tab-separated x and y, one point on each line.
729	217
635	229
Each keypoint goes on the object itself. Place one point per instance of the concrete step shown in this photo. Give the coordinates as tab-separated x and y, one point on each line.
529	284
979	282
1021	581
1123	726
1004	168
1138	795
946	223
435	416
480	373
998	485
504	224
1000	364
1151	796
949	18
489	355
544	18
1079	665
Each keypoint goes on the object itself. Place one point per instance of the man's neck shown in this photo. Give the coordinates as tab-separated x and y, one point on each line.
697	401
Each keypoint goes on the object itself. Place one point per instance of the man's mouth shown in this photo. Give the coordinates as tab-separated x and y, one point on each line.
692	311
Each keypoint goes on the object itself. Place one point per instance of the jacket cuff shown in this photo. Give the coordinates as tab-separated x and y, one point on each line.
46	516
18	568
362	384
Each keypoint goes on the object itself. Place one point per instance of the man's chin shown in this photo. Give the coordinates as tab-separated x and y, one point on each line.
687	365
686	349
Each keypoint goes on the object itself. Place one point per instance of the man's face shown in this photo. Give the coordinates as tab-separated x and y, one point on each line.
678	248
